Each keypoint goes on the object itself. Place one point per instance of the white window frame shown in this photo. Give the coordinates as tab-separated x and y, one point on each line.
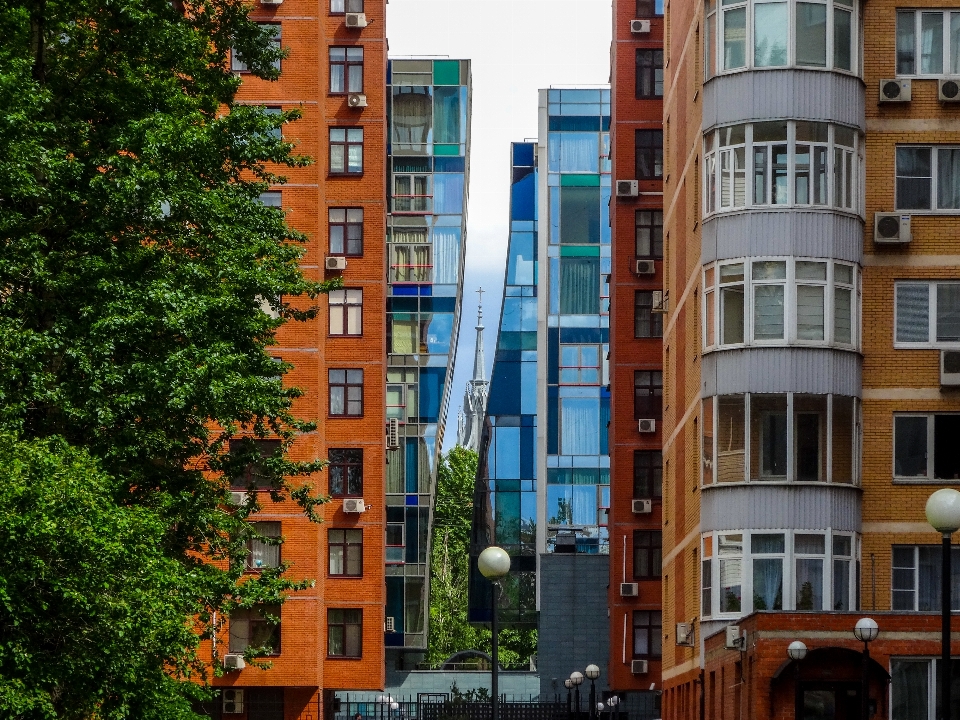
918	40
934	179
915	569
929	478
931	341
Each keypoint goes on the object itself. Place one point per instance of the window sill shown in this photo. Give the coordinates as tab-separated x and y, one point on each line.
923	481
344	657
811	68
345	417
333	174
781	344
925	212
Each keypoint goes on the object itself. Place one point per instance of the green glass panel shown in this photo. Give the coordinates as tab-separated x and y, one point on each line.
446	72
580	251
579	181
446	149
517	341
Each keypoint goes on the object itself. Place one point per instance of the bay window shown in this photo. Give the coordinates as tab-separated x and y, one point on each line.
792	162
782	301
792	437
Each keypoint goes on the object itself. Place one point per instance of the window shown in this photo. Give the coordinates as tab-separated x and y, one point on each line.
927	314
730	559
346	151
271	198
646	323
790	163
916	577
792	437
649	8
255	475
809	554
579	286
767	551
345	472
647	474
647	394
410	263
928	42
346	311
261	704
236	60
647	633
345	6
255	628
796	302
915	691
264	553
346	392
346	70
649	234
580	365
928	178
925	447
344	632
649	73
345	227
411	193
647	552
806	34
648	145
346	551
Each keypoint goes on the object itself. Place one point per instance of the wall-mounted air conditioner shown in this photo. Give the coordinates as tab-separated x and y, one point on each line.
948	90
628	188
353	505
734	639
356	20
336	262
685	634
639	667
629	589
233	661
642	507
357	100
639	27
647	425
891	228
892	91
660	299
238	498
950	368
645	267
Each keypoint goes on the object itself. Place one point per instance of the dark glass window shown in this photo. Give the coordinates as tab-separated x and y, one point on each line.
345	472
346	151
344	632
345	227
579	285
647	631
345	551
255	475
649	73
646	323
647	394
346	392
255	628
647	549
346	70
649	228
237	63
647	474
345	6
649	8
649	154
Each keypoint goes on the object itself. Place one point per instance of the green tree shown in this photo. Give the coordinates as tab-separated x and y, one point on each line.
135	267
450	570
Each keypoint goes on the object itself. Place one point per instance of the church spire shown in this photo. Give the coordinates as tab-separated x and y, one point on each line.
475	396
479	371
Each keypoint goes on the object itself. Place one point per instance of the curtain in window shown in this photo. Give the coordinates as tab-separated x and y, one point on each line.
913	312
768	584
810	312
412	110
405	334
446	117
910	683
395	471
579	286
809	584
948	179
400	261
574	152
948	312
263	555
584	505
446	254
448	194
579	423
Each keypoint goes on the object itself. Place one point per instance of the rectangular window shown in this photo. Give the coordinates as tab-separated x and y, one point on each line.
411	194
345	227
706	578
338	7
579	286
344	632
646	323
649	8
925	447
264	553
647	474
346	551
255	628
767	551
647	551
809	550
916	577
730	555
649	82
345	472
346	311
649	234
928	42
237	63
255	475
580	365
647	394
648	145
928	178
346	392
346	70
346	151
647	633
410	263
271	198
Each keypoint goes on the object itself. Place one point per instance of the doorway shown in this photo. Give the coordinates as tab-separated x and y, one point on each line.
831	700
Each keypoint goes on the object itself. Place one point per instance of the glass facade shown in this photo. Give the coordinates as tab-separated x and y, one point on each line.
429	131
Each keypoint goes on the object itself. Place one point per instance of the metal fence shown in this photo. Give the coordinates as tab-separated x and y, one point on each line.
440	706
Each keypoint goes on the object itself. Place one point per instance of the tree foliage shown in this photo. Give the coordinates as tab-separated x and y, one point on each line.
135	266
450	571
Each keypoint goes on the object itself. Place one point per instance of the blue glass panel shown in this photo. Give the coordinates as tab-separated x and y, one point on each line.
528	518
579	422
395	600
449	165
511	315
605	496
446	115
528	449
528	388
438	304
404	289
559	500
446	252
410	466
402	305
554	216
553	357
604	425
523	198
439	332
522	225
431	393
576	151
553	420
422	540
554	286
581	95
553	96
528	420
412	501
508	453
605	216
584	504
448	194
507	485
575	123
520	260
523	154
504	398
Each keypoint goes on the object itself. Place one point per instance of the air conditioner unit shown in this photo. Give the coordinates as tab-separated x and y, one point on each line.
660	302
357	100
390	625
647	425
891	228
642	507
646	267
238	498
948	89
950	368
638	27
639	667
353	505
232	702
233	661
336	262
685	634
356	20
734	639
629	590
894	91
393	434
628	188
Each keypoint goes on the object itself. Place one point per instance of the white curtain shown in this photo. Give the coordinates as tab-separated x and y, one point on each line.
446	254
579	423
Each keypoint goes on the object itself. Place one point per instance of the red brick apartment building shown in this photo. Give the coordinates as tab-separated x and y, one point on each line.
331	636
636	329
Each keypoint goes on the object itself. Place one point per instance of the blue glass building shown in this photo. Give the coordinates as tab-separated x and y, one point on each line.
429	134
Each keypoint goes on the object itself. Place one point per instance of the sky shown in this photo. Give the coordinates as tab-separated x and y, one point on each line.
517	47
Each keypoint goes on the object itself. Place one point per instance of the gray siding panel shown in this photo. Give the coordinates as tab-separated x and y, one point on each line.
768	507
776	94
802	233
782	369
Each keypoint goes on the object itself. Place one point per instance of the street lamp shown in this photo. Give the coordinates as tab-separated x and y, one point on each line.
797	651
866	631
943	513
576	678
568	684
494	564
593	672
612	703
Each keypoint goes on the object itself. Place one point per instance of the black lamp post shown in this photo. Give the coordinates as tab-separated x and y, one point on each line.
592	672
865	631
943	513
568	684
494	564
576	678
797	651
